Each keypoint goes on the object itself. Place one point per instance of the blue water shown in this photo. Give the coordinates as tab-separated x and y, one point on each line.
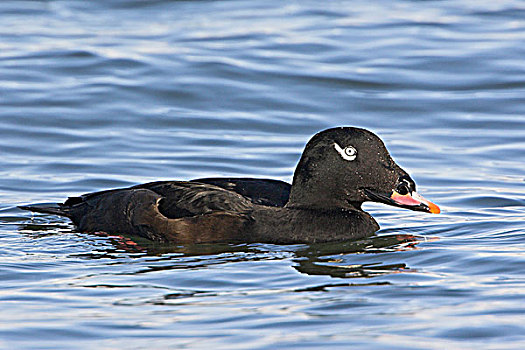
97	95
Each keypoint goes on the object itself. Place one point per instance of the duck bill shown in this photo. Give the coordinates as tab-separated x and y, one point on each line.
412	201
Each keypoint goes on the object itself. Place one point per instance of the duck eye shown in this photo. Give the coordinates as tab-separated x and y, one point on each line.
348	153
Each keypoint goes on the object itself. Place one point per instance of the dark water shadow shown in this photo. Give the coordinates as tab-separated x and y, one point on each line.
327	259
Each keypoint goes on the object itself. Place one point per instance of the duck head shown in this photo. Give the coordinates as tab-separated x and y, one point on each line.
341	168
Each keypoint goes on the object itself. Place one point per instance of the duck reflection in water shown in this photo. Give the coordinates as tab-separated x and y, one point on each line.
329	259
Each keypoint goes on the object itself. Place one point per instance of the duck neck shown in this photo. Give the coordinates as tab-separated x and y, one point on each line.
306	196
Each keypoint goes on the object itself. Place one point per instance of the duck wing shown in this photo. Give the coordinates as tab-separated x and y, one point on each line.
274	193
166	211
189	198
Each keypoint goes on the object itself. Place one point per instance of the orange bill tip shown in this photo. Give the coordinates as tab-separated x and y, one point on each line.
434	209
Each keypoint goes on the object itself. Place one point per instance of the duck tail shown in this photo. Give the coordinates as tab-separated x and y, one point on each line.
47	209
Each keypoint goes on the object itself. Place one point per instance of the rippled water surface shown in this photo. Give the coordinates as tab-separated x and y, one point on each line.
96	95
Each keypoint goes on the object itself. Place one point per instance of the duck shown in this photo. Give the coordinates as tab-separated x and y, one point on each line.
340	169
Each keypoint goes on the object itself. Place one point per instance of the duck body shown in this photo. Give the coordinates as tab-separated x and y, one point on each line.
339	170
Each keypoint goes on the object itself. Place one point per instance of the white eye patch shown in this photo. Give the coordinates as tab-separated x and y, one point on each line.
348	153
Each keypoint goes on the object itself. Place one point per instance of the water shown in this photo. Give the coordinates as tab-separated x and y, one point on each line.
96	95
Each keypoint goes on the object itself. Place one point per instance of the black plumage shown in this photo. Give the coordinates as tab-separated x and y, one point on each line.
339	169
